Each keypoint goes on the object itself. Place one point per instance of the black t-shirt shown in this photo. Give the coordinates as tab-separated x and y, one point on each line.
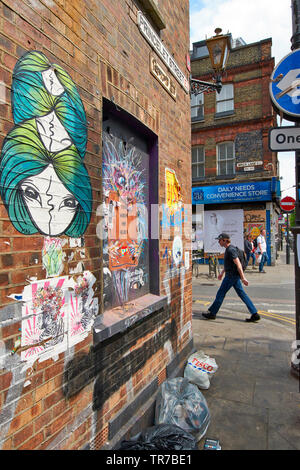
229	266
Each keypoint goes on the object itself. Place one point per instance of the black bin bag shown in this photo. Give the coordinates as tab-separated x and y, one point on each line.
161	437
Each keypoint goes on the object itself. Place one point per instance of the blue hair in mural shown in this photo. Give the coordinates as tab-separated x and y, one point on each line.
44	183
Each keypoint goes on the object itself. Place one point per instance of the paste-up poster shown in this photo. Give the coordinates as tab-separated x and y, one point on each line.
228	221
44	319
83	308
57	314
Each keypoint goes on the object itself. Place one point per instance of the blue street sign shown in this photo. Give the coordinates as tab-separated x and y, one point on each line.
285	86
234	192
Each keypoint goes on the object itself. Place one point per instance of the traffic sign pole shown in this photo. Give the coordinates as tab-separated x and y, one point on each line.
287	204
288	257
295	40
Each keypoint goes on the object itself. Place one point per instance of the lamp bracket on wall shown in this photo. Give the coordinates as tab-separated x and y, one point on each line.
198	86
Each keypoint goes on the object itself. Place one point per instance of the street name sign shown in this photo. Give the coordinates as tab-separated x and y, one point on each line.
282	139
287	204
285	86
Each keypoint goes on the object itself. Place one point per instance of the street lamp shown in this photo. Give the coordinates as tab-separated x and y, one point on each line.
218	47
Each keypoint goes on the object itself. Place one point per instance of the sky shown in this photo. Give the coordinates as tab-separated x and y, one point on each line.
253	21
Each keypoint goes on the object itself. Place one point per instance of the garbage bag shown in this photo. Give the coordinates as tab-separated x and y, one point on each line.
200	369
182	404
161	437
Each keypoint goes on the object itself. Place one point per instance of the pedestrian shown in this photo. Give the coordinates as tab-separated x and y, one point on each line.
249	250
234	277
262	250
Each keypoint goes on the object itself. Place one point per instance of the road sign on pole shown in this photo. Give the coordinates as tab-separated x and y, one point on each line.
282	139
287	204
285	86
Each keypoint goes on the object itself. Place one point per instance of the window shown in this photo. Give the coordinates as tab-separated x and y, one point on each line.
198	161
197	107
226	159
225	101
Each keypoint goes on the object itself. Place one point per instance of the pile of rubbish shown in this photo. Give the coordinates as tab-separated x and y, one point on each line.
182	416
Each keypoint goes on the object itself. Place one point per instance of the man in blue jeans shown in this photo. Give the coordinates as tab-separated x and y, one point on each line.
262	250
234	277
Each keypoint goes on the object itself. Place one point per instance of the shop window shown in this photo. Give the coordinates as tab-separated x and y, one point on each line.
226	159
198	162
225	100
197	107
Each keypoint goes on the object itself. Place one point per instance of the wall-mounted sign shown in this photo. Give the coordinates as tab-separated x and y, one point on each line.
163	78
249	166
188	62
235	192
155	42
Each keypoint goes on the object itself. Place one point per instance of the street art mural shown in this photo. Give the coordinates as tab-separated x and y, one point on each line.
44	183
46	189
175	217
126	265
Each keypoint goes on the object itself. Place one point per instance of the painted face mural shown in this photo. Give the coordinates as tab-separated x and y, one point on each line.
126	247
46	189
50	205
44	183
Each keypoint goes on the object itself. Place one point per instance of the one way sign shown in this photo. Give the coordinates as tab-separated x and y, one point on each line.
282	139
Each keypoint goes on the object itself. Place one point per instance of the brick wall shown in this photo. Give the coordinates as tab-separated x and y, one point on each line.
66	397
249	68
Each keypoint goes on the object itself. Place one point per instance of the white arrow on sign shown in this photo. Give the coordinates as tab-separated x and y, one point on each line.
288	85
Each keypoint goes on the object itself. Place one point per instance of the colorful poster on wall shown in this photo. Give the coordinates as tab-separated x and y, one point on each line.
173	191
254	222
228	221
56	314
44	318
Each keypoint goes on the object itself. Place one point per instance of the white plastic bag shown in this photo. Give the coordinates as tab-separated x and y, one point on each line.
199	369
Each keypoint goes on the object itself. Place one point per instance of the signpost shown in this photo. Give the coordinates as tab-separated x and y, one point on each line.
287	204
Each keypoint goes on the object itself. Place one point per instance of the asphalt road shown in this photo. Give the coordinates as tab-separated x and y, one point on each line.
272	293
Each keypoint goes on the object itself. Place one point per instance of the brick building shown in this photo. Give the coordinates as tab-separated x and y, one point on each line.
233	170
95	278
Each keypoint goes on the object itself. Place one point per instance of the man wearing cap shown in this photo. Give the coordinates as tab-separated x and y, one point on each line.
234	277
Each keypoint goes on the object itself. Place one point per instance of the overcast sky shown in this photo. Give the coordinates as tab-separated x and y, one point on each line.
253	21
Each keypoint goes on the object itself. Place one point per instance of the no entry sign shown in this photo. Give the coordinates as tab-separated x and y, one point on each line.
287	204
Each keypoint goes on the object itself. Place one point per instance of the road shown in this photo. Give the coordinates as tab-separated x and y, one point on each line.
272	293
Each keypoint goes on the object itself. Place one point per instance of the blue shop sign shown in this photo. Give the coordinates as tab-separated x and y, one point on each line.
234	192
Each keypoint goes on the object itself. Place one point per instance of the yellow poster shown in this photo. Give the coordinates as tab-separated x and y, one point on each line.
173	191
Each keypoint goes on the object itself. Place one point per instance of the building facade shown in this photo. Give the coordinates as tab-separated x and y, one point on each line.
235	184
95	277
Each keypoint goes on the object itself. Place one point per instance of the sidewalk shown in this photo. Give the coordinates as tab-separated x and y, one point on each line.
253	398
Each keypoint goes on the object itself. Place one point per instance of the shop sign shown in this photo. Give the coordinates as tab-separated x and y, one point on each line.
156	43
235	192
163	78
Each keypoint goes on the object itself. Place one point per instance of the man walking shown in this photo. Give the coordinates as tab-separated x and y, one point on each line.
234	277
262	250
249	250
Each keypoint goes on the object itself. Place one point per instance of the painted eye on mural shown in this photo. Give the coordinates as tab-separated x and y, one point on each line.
69	203
121	181
132	183
31	193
